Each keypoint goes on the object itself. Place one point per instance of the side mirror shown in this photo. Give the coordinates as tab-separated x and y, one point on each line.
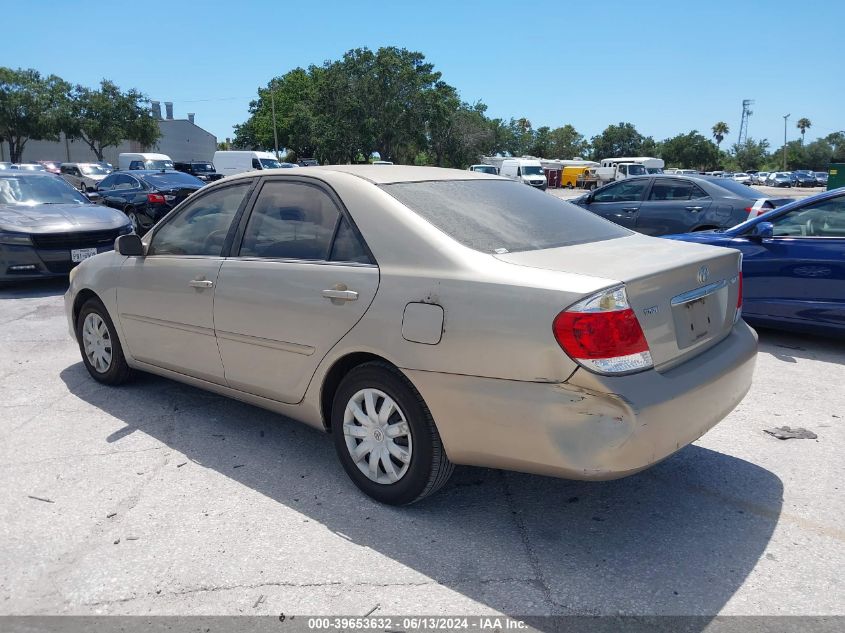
129	245
93	196
763	230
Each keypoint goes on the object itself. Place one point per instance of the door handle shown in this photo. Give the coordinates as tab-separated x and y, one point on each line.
340	295
629	209
201	283
693	208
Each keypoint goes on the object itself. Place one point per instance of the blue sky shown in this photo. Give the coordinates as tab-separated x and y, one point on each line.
667	67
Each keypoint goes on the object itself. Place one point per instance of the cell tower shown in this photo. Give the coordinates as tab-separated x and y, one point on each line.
743	125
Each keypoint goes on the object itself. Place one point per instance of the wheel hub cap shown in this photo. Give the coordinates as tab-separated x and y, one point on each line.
96	342
377	436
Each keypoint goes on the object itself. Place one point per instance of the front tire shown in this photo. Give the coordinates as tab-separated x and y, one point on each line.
99	345
385	436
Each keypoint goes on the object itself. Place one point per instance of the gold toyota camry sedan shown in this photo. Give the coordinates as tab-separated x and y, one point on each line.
426	317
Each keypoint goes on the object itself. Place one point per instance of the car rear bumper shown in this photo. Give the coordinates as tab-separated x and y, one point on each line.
591	427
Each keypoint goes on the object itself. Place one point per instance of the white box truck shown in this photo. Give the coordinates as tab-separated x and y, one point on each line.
528	171
143	160
236	162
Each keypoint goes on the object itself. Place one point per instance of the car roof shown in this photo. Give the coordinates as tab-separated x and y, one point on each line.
380	174
9	173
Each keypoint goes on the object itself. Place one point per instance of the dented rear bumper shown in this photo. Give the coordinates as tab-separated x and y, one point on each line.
591	427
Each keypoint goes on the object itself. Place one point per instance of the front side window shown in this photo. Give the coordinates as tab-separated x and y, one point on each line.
291	220
631	191
823	219
202	225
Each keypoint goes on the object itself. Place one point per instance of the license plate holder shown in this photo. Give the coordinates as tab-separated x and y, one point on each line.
81	254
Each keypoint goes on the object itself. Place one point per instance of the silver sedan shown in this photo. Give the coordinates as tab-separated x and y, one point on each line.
426	317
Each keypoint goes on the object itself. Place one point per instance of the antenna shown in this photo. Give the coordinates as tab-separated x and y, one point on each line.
743	125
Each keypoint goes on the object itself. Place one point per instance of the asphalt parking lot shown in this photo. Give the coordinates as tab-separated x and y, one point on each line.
158	498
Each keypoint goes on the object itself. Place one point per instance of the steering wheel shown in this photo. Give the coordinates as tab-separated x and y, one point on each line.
209	241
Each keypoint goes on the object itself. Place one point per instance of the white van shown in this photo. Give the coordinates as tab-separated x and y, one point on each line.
235	162
525	170
131	160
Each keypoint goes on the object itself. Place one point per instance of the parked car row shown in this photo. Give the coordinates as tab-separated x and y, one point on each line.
663	204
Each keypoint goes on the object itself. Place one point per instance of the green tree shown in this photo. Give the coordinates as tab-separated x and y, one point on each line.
31	107
621	140
803	124
541	143
837	143
107	116
565	142
720	131
690	151
751	154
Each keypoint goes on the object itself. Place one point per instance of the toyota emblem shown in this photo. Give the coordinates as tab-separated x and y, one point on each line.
703	274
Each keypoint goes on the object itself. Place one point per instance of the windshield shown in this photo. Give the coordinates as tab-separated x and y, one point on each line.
93	170
636	170
657	170
485	169
158	164
32	190
269	163
532	170
203	167
498	216
171	179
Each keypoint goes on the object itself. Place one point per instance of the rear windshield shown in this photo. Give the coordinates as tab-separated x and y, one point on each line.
494	216
203	167
173	179
741	190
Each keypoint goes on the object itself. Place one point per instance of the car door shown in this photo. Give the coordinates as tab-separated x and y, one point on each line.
115	190
799	273
673	205
619	202
70	174
298	280
165	299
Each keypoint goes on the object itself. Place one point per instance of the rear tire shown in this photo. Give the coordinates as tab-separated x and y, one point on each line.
101	351
385	436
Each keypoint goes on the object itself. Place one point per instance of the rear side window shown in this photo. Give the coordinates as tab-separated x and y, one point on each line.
669	189
291	220
494	216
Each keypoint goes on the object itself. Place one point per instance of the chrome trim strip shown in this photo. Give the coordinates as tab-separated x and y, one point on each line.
296	348
698	293
196	329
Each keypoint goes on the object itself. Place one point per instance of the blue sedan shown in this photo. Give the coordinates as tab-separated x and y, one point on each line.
793	264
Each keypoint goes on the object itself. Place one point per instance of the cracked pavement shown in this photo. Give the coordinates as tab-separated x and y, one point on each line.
163	499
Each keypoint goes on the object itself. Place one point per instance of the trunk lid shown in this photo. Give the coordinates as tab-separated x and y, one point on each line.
684	294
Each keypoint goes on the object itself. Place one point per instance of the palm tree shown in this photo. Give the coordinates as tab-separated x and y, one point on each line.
803	124
720	131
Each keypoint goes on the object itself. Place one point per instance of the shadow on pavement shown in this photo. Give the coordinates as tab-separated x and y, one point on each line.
789	346
34	289
679	538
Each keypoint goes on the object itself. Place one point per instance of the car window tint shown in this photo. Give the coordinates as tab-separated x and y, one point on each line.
290	220
823	219
107	182
347	247
201	226
122	181
669	190
625	191
500	215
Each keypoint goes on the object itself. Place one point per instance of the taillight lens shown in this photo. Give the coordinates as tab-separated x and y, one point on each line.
602	334
155	198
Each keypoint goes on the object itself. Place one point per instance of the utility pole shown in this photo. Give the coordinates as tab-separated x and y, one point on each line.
785	118
275	133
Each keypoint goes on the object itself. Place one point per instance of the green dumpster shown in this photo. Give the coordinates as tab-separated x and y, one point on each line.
836	176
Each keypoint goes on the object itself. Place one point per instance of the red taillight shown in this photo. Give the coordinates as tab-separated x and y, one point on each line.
602	333
749	209
155	198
